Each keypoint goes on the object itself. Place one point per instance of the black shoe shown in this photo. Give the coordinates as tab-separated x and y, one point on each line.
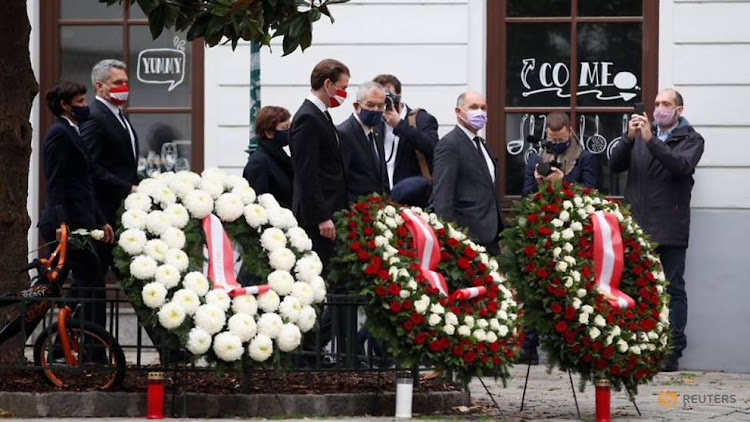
670	365
528	357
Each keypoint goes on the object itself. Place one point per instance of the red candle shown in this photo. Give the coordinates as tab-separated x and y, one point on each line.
155	396
602	401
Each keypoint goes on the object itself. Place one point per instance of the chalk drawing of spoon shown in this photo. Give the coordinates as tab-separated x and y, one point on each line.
515	146
617	140
596	144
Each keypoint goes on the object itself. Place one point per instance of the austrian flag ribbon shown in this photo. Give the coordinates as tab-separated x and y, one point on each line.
608	258
428	251
220	255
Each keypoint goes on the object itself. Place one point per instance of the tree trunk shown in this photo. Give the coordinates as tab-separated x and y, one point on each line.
18	87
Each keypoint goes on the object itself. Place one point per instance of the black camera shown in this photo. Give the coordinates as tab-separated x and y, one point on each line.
392	101
544	169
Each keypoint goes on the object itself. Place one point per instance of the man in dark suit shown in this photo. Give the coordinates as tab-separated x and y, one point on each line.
407	134
113	148
362	145
466	175
319	184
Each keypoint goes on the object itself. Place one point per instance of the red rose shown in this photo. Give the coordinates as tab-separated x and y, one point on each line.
556	308
351	235
416	318
542	273
395	307
436	345
532	218
369	231
570	312
529	233
614	370
537	196
637	270
408	325
570	337
401	231
366	219
352	224
561	326
463	263
363	256
647	324
481	267
380	291
458	351
440	232
470	357
600	364
529	250
371	269
407	304
371	244
469	252
445	255
361	206
354	247
374	198
383	274
420	338
494	347
530	267
394	289
453	242
544	231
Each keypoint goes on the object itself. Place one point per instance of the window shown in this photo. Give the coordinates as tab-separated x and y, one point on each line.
589	58
166	75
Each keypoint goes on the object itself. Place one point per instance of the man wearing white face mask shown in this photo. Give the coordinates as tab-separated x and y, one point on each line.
661	159
465	172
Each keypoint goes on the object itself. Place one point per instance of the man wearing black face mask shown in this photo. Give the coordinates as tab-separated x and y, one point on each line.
576	165
269	168
362	144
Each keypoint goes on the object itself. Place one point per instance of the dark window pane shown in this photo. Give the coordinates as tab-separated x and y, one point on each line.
89	9
538	71
599	133
81	47
610	8
135	12
610	57
517	149
159	69
154	131
518	8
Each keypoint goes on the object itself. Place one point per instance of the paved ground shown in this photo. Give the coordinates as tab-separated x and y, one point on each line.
680	396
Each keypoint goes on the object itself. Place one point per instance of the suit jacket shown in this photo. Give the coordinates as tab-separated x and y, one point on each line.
463	190
363	175
67	169
114	167
423	138
269	170
319	188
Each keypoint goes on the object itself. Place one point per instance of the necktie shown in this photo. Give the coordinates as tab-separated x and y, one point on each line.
127	130
478	141
374	148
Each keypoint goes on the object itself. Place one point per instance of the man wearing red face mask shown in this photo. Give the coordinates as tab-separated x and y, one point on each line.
113	148
319	186
661	159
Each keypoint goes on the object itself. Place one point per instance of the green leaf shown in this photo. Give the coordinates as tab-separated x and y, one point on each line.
306	39
157	19
290	44
146	6
198	29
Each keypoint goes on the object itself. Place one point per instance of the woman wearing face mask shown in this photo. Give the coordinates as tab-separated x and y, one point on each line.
576	165
269	168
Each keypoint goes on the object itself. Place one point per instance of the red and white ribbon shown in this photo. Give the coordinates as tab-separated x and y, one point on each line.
220	256
609	258
468	293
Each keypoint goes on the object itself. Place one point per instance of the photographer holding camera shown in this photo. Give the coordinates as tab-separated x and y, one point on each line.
410	136
562	158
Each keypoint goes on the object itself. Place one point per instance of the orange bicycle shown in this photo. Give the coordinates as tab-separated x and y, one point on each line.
71	352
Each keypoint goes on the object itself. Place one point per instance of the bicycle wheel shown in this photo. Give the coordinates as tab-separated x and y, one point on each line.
100	359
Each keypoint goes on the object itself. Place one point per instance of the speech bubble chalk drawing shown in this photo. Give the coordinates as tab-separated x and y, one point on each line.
163	65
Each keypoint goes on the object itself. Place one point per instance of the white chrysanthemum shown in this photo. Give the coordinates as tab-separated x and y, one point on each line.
148	186
434	320
245	304
232	181
157	249
255	215
243	326
306	319
594	333
449	329
269	324
178	259
132	241
268	201
167	275
308	268
584	318
181	186
220	298
268	301
282	218
187	299
282	259
143	267
188	176
246	194
281	282
303	292
177	215
173	238
228	347
134	219
272	239
464	331
229	207
261	348
154	294
319	289
451	318
289	338
599	321
561	266
503	331
290	309
210	318
199	341
469	321
198	203
165	177
421	305
171	316
299	239
138	201
491	337
576	226
163	195
212	189
157	222
480	334
196	282
581	292
214	174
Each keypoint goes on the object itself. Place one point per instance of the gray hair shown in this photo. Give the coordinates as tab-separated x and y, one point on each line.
366	87
100	72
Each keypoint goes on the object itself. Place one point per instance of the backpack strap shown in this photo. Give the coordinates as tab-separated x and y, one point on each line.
412	120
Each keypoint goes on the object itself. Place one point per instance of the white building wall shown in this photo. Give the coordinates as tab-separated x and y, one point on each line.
704	52
32	204
435	47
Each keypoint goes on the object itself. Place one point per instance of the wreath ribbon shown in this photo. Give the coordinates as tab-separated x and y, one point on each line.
220	255
428	250
609	258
